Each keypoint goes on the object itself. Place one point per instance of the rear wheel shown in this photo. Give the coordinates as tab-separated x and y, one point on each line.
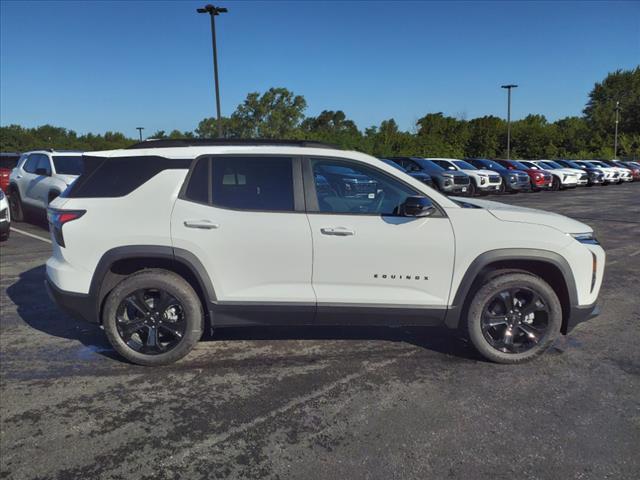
514	317
153	317
15	205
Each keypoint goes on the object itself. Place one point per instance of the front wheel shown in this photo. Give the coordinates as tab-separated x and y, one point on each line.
473	191
15	206
514	317
555	186
153	317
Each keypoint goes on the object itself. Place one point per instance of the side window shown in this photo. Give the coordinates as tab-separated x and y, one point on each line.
353	188
411	166
198	187
31	164
44	163
252	183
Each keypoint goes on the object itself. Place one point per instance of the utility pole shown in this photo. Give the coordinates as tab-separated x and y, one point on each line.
509	87
140	131
615	138
213	12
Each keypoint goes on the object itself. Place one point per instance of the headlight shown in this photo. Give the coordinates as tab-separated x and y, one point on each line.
588	238
483	180
512	178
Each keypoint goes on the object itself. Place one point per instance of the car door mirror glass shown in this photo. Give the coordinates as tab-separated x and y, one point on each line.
42	171
417	206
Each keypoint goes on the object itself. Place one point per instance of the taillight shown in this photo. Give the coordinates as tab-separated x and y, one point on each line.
58	218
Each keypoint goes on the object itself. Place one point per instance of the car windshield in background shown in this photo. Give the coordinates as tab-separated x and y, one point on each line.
394	164
573	164
519	165
494	166
428	164
464	165
68	165
531	166
547	165
8	162
553	164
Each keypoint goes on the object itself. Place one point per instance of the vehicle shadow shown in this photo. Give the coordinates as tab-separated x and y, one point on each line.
38	311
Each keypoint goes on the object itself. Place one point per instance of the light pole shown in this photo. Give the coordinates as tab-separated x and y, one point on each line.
140	131
213	12
509	87
615	137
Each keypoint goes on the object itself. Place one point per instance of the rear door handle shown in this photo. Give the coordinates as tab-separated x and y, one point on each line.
203	224
337	231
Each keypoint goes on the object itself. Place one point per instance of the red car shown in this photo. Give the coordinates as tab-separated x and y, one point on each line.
540	180
8	161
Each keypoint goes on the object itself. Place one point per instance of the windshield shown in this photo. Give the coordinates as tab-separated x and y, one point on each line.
428	164
599	164
464	165
393	164
547	165
71	165
573	164
493	166
8	162
531	166
519	165
553	164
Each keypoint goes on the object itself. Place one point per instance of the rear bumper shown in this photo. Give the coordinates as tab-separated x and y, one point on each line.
580	314
79	305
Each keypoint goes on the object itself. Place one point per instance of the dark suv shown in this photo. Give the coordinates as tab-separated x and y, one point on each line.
447	181
418	175
513	181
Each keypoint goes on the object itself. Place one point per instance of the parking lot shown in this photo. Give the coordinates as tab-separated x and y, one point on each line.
326	402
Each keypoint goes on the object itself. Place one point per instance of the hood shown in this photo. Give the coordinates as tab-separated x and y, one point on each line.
483	172
510	213
68	179
454	173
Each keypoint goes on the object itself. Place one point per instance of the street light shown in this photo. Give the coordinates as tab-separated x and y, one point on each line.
509	87
213	12
615	138
140	131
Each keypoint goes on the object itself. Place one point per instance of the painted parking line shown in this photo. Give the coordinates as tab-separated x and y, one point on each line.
42	239
635	253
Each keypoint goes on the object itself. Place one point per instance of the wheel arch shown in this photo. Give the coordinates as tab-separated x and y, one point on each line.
120	262
549	266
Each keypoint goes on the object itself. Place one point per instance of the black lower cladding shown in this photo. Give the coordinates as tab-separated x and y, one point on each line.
78	305
580	314
4	228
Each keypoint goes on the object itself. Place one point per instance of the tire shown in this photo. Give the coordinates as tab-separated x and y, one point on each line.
4	237
543	326
473	191
141	346
15	205
555	186
503	189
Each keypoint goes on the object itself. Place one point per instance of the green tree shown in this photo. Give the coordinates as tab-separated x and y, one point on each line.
442	136
485	137
275	114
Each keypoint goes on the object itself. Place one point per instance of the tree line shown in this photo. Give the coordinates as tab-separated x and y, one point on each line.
279	113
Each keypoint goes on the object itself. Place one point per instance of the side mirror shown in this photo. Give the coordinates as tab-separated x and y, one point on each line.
42	171
417	207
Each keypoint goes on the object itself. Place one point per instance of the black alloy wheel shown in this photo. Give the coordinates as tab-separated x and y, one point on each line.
151	321
515	320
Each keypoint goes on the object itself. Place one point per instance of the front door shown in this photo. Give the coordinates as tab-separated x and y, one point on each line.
242	218
370	264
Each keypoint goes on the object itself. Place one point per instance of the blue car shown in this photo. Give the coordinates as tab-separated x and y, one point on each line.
513	181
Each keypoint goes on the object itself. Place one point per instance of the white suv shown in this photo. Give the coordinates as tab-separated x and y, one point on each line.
39	177
167	239
482	181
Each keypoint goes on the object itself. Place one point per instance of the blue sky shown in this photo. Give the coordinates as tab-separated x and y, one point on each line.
98	66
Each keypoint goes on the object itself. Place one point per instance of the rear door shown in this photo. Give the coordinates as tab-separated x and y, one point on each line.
41	183
243	218
370	264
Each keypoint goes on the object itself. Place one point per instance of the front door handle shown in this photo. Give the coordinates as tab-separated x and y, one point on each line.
203	224
337	231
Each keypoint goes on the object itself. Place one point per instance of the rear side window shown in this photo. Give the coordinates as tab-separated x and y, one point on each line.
68	164
119	176
31	164
243	183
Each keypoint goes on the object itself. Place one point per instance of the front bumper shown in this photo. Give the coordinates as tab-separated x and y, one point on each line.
580	314
79	305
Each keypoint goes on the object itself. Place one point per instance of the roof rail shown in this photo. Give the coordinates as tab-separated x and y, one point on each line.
206	142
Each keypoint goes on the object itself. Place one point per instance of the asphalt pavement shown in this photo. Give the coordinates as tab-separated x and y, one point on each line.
319	403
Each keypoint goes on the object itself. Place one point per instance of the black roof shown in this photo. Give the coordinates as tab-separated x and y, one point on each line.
206	142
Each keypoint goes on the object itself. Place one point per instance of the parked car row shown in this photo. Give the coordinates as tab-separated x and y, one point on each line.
477	176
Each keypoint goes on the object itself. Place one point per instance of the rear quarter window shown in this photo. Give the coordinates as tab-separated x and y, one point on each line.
119	176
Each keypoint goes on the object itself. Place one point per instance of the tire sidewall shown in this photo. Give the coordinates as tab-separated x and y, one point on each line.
174	285
494	286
